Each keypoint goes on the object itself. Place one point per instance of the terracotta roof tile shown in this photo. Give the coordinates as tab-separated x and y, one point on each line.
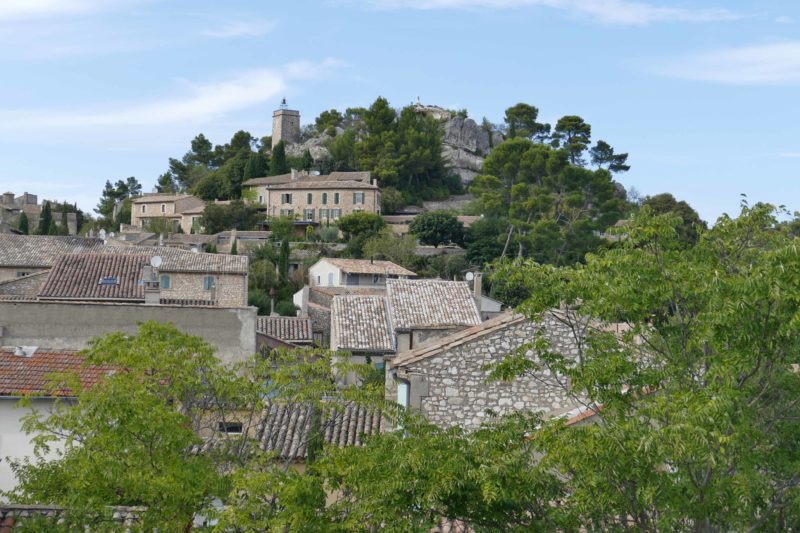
40	251
21	375
366	266
361	323
285	328
285	427
179	260
96	277
431	303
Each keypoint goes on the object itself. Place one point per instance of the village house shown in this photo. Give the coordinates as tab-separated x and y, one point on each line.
181	210
333	272
23	371
22	255
317	199
12	207
447	380
361	325
283	332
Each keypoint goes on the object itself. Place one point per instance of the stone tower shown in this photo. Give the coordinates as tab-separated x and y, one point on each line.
285	125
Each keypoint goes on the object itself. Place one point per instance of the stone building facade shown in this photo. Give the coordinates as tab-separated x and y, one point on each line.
285	125
223	290
448	383
179	209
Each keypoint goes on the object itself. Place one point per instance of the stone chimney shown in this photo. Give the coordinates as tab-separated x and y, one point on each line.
152	286
295	174
477	289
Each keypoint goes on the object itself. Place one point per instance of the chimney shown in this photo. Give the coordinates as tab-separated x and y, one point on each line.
19	351
152	286
294	174
477	289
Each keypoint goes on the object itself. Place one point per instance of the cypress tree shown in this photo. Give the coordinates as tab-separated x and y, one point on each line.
234	249
278	164
23	223
283	262
64	221
307	161
45	220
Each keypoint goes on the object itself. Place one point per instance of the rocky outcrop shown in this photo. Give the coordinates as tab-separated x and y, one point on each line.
317	145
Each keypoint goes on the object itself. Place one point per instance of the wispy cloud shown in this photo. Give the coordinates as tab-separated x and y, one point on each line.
784	19
767	64
630	12
202	103
789	155
16	10
242	28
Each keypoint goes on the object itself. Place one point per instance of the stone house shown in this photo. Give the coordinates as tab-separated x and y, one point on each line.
361	325
11	208
182	210
447	380
333	272
21	255
25	370
316	199
283	332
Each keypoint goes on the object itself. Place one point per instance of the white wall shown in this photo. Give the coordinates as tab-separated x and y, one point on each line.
322	269
14	442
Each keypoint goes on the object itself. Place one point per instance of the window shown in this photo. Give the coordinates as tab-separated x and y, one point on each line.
336	198
308	214
234	428
165	281
286	198
324	214
108	280
402	392
209	283
260	199
309	198
318	281
324	198
287	212
144	208
22	274
163	208
336	213
358	198
377	279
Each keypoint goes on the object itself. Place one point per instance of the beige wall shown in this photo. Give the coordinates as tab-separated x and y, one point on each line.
230	289
7	273
272	199
69	326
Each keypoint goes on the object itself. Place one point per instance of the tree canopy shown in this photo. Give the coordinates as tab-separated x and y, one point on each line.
437	227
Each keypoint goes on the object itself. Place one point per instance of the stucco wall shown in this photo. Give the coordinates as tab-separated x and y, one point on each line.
452	389
328	274
70	326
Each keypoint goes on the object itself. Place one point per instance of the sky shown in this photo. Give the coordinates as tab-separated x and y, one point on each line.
702	94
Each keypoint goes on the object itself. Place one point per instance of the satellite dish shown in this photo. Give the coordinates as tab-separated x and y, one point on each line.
156	261
470	276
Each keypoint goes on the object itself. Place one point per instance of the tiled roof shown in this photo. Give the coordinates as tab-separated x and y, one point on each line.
285	328
20	375
457	339
350	176
365	266
287	178
40	250
285	427
330	184
198	210
158	197
268	180
431	303
13	514
79	276
361	323
179	260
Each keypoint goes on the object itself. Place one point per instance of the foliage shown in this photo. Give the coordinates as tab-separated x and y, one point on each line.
572	134
23	224
46	223
160	225
484	239
361	223
234	248
286	308
327	121
235	215
691	225
392	200
520	121
329	233
448	266
556	210
282	227
437	227
278	164
604	157
121	190
390	246
127	440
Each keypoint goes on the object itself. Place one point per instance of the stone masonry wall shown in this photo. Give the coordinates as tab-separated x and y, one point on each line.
230	290
457	389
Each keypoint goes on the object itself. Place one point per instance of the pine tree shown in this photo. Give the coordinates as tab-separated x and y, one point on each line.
45	220
23	224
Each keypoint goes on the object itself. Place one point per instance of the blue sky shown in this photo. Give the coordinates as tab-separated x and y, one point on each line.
702	94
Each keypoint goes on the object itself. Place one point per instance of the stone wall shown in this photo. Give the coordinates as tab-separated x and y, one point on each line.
230	289
9	273
451	387
24	286
273	200
69	326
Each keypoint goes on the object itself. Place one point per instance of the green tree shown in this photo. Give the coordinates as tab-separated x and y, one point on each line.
278	163
361	223
392	247
572	134
306	161
437	227
603	156
391	200
327	121
46	220
23	224
691	224
234	248
127	439
520	121
343	151
63	229
283	260
484	239
235	215
166	183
